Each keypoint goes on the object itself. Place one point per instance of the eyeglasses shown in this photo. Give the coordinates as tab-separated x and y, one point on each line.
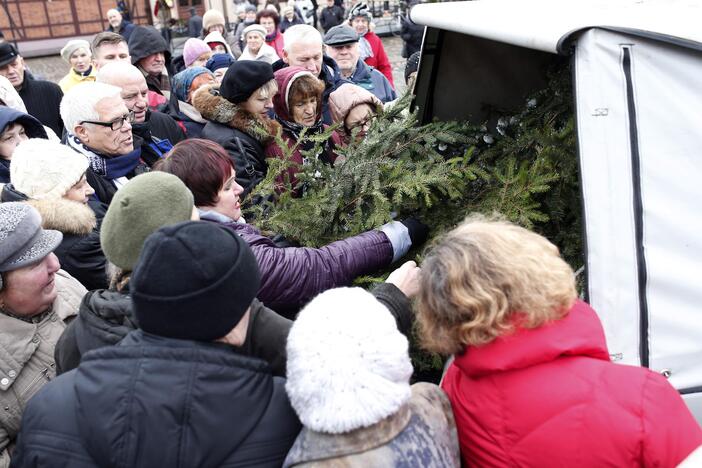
114	124
363	124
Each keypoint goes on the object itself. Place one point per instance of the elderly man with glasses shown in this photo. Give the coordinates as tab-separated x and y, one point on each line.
99	125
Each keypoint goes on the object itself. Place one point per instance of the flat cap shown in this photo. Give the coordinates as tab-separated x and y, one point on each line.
339	35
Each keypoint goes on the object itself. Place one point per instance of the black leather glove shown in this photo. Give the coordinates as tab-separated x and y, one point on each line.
418	231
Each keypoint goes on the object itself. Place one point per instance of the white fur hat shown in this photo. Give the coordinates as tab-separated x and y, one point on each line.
44	169
348	364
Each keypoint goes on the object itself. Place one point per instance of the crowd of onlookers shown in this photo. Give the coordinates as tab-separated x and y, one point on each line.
145	322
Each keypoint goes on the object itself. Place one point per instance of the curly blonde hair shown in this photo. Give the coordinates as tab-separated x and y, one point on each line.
485	275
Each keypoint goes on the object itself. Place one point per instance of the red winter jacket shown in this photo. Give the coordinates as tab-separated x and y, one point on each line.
276	41
379	60
550	396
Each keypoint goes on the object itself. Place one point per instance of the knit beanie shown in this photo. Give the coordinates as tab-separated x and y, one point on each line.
72	46
183	80
361	9
44	169
254	28
193	281
243	78
193	49
348	365
22	239
212	18
218	61
146	203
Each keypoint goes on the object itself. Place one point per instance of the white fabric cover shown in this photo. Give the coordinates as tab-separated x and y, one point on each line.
668	102
540	24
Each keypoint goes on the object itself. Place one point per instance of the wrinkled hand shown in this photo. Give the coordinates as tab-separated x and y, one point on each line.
406	278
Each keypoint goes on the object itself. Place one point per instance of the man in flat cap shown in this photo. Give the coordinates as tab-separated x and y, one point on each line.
342	46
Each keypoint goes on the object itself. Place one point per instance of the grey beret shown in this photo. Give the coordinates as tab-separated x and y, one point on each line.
341	34
22	240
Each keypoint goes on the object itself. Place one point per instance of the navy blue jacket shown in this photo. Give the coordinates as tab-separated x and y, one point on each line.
372	80
153	401
125	29
32	127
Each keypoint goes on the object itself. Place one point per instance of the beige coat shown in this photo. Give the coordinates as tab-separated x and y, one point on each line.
422	433
27	358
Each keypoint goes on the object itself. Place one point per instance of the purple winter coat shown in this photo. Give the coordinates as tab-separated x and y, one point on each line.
291	276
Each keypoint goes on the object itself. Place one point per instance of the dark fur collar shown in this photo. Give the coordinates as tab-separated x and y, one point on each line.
214	107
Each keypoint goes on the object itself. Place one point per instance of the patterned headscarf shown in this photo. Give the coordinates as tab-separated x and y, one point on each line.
183	80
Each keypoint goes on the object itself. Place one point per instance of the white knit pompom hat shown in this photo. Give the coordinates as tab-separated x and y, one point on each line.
44	169
348	365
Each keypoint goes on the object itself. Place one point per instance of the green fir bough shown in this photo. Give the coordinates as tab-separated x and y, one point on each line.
523	166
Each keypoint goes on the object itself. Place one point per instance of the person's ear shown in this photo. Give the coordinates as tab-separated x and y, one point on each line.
286	59
82	133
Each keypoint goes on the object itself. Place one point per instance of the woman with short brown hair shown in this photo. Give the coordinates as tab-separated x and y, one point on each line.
532	383
298	108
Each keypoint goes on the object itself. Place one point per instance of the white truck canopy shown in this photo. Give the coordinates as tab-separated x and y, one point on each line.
546	24
637	69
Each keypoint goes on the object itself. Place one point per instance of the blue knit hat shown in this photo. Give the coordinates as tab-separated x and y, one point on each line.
218	61
183	80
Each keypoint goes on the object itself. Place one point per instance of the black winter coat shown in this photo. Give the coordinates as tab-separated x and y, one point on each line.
233	128
81	254
331	16
412	35
105	317
154	401
42	99
104	189
164	127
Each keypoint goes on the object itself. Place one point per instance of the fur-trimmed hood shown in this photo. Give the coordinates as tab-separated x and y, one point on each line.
214	107
67	216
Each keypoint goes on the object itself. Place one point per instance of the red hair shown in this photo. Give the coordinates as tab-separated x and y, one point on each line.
267	13
202	165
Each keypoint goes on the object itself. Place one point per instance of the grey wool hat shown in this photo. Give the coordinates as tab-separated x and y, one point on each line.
146	203
339	35
22	239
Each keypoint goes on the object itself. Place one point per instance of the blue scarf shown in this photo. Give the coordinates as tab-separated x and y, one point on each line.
120	166
110	168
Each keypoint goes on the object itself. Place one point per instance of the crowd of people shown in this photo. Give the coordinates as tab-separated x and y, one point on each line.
145	322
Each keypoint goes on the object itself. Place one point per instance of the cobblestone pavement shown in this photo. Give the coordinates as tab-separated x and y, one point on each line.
54	68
